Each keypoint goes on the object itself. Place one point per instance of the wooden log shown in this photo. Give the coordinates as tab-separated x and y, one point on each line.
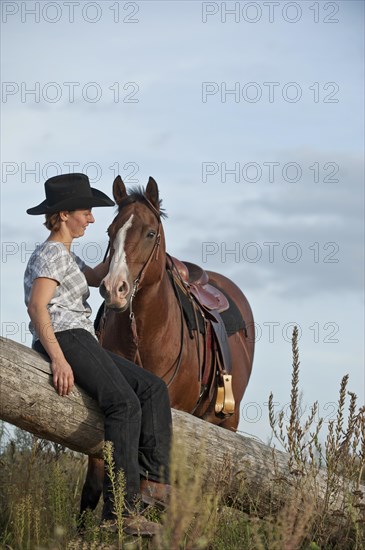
29	401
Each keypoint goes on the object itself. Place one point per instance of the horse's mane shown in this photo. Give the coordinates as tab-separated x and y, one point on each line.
137	194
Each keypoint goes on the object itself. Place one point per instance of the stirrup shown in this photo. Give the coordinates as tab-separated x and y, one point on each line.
225	403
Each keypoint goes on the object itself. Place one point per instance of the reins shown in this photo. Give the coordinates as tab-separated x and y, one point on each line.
136	285
106	252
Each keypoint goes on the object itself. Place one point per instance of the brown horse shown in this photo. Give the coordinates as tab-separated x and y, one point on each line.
143	322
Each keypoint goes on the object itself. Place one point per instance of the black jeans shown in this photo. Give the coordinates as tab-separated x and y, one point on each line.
136	407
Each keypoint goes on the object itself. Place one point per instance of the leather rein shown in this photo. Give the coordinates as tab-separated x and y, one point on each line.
136	285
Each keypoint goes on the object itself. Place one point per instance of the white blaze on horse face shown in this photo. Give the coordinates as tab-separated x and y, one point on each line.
118	265
117	277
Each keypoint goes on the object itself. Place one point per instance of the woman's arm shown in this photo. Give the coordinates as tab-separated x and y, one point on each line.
42	291
94	275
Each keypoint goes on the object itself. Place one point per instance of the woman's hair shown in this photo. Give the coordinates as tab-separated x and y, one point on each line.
53	221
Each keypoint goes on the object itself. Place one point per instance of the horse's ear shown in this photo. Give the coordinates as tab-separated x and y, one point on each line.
119	190
152	193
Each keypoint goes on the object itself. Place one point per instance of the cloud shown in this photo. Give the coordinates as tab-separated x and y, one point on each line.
301	237
170	133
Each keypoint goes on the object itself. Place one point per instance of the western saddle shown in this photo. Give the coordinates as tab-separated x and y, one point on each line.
211	303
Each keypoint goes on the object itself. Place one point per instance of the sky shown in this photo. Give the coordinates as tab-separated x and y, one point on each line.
249	115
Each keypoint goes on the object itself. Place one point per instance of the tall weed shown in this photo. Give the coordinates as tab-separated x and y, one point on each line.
321	499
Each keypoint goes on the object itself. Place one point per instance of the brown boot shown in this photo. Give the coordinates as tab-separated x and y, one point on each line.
155	493
140	526
133	525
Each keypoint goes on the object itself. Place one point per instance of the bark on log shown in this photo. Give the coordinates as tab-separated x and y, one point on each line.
29	401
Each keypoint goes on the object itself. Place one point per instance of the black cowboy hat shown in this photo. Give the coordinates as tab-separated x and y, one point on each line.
69	192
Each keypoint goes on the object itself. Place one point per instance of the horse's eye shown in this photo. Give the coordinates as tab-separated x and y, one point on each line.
151	234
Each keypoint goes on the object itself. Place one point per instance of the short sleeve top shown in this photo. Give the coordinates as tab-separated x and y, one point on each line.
68	308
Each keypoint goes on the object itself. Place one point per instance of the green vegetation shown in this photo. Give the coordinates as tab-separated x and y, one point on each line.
40	487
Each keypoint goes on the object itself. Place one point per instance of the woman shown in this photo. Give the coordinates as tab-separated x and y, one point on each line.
135	402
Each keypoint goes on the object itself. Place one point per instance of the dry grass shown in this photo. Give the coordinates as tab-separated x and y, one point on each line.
40	485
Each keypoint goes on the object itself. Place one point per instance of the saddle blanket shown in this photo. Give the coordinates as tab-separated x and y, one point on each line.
232	318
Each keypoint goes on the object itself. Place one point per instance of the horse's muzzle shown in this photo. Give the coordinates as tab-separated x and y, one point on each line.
120	302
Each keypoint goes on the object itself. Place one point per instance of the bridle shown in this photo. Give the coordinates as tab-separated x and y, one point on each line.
136	285
137	281
155	248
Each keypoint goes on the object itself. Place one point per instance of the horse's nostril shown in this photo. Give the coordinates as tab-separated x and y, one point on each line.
124	288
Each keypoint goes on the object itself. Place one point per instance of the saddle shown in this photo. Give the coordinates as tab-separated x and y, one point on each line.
197	279
211	302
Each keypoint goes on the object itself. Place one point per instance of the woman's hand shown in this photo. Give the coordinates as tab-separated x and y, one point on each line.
42	291
63	378
94	275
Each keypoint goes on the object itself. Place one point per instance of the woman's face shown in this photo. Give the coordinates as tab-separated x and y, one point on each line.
77	221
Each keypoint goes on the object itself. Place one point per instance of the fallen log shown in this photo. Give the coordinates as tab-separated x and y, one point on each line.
29	401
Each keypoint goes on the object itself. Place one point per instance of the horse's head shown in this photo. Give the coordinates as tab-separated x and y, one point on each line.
136	237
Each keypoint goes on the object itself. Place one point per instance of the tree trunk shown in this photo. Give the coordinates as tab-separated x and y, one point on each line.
28	400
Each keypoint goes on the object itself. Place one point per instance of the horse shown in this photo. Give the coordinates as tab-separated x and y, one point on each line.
142	318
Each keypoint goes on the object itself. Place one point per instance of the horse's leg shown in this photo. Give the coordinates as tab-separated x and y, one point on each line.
93	486
231	422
